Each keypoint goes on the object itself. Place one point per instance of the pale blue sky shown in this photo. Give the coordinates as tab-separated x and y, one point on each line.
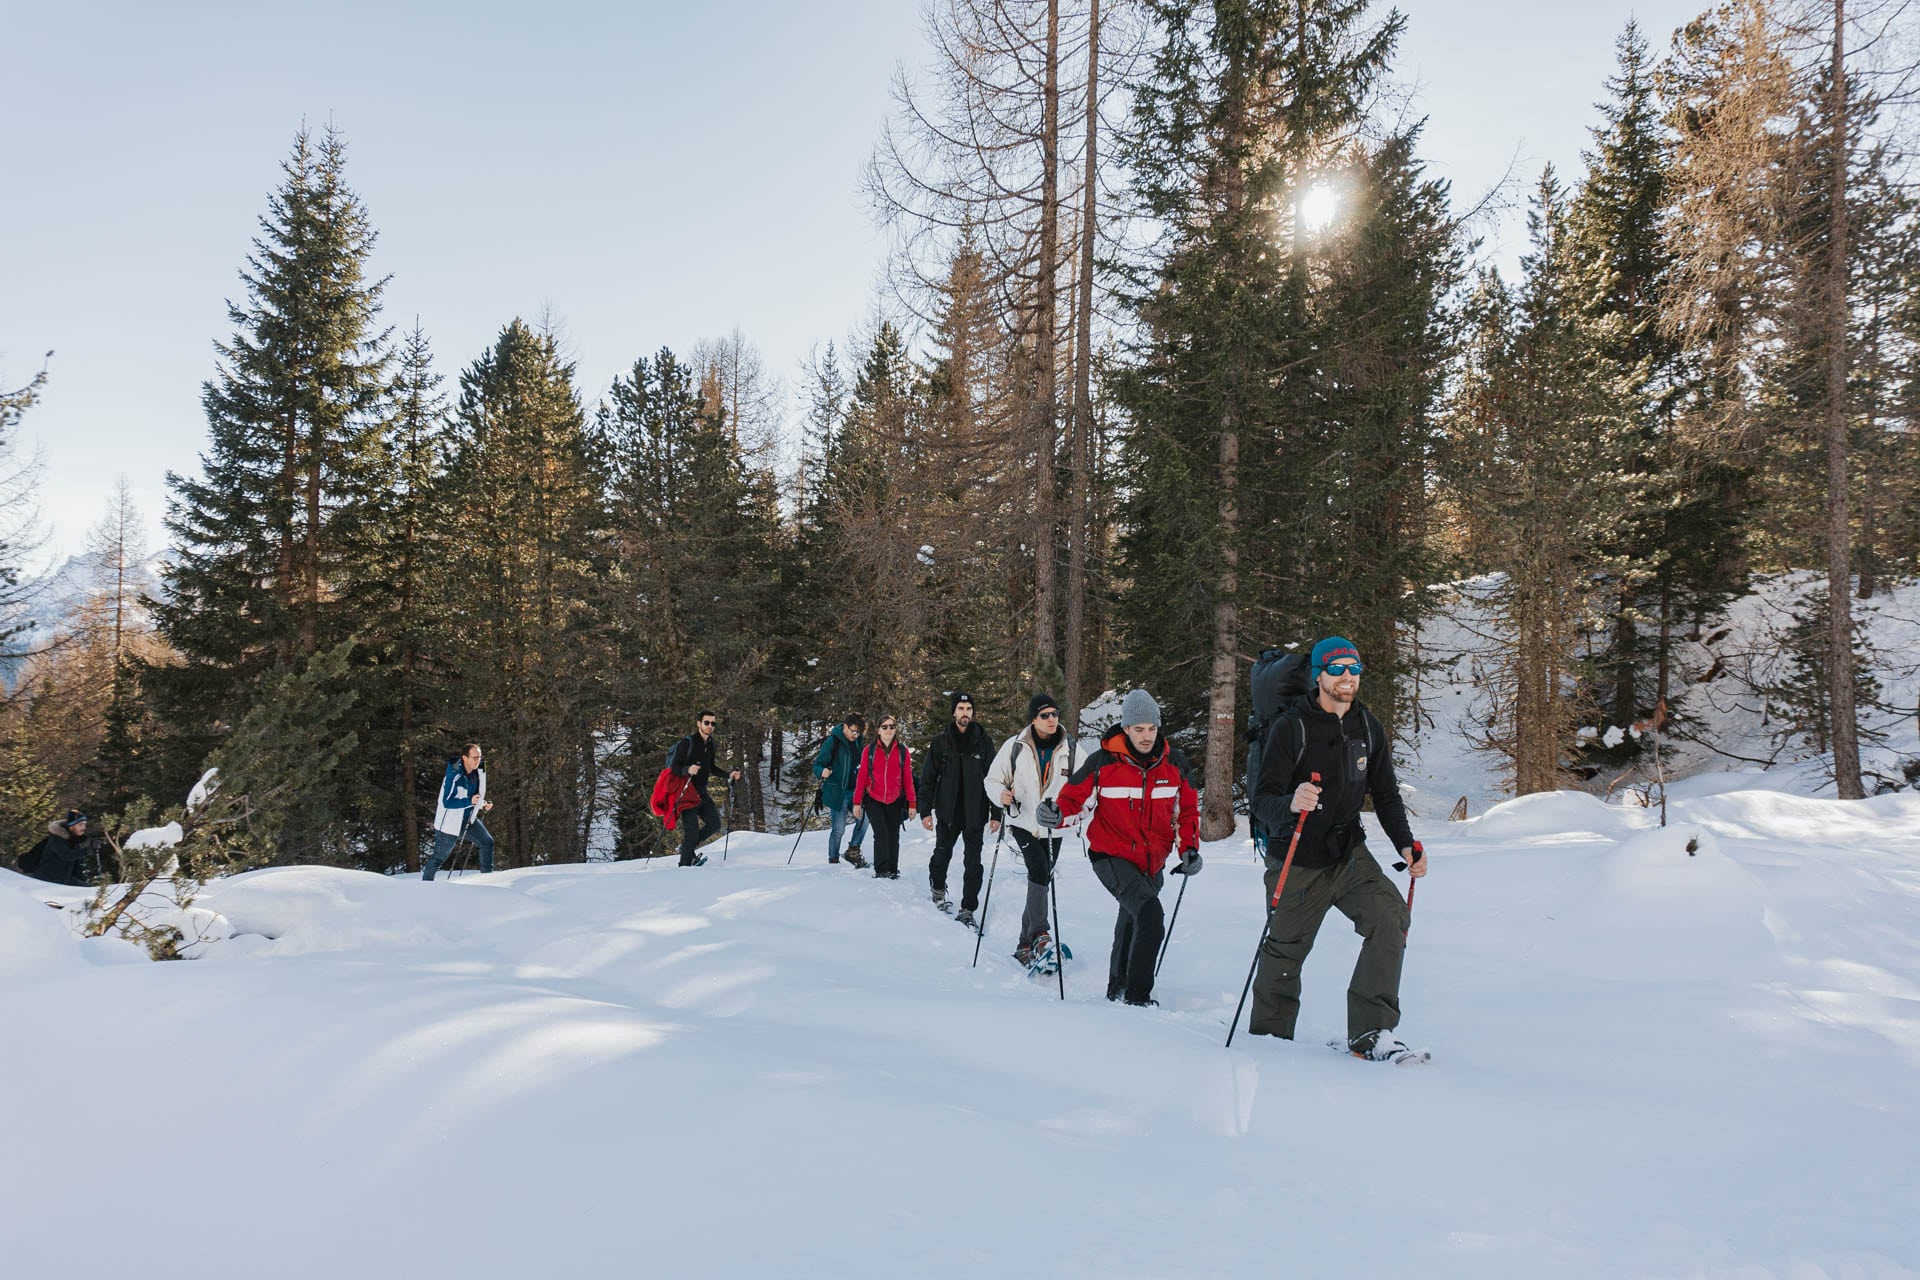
651	174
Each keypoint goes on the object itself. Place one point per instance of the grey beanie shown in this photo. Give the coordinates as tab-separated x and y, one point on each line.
1138	707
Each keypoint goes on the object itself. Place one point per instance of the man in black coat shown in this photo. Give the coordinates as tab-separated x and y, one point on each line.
1329	732
953	802
67	855
693	758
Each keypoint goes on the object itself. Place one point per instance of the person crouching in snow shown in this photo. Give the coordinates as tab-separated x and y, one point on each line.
1143	806
1330	733
463	798
1031	767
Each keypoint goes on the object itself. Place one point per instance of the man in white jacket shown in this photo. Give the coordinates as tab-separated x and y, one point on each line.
1032	766
463	798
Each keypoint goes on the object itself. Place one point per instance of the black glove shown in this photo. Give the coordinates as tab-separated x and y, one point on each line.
1048	814
1189	862
1418	853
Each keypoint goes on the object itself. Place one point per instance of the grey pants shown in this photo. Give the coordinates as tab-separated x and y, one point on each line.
1040	854
1362	893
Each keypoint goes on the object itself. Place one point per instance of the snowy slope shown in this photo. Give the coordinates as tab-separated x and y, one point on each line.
1735	729
1648	1063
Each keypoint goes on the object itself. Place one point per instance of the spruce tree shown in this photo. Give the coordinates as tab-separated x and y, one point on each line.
514	578
264	537
1235	403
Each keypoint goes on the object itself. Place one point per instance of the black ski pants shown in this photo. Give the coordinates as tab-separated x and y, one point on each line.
945	832
886	819
1137	931
693	832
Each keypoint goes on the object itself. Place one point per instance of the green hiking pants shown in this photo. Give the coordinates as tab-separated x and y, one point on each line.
1364	895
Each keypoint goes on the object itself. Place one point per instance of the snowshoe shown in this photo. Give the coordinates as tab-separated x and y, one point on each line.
965	917
940	901
699	860
1044	960
1382	1046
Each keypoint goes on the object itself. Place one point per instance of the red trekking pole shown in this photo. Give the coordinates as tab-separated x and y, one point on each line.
1279	887
1419	852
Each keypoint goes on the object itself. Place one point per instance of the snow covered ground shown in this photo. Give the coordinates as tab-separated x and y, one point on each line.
1647	1063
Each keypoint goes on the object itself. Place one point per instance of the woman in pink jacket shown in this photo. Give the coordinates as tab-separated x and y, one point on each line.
886	787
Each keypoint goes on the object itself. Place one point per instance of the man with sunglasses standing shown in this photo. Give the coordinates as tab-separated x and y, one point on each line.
1329	732
692	759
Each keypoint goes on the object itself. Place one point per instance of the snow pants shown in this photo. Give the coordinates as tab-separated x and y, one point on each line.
443	844
945	832
886	818
695	826
1040	854
1360	890
1137	932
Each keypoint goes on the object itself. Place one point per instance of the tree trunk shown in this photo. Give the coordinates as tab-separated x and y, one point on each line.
1082	428
1846	741
1045	342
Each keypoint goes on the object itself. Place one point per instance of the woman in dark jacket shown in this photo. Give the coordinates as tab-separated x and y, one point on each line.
885	786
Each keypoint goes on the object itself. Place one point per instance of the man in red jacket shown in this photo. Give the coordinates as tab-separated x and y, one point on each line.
1143	806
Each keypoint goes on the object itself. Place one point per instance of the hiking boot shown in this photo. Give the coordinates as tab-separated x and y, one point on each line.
893	875
940	901
854	859
1147	1002
1024	953
965	916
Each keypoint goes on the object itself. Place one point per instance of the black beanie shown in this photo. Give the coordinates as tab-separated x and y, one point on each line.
1040	702
960	696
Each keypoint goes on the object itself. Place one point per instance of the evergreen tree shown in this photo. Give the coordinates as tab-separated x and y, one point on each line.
1528	463
514	581
265	536
396	598
18	479
1669	540
1249	400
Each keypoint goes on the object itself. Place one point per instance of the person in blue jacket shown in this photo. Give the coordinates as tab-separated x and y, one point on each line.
463	798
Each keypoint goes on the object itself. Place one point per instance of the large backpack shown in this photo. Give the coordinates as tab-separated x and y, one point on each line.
1280	677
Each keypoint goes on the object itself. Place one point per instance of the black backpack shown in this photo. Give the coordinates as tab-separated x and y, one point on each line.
1279	679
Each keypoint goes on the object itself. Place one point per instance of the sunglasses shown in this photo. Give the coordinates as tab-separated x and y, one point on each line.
706	724
1048	715
1343	668
887	725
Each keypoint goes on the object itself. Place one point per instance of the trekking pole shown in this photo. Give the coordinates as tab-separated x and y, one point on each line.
1419	851
796	836
987	902
1279	887
727	839
459	847
1167	940
1053	887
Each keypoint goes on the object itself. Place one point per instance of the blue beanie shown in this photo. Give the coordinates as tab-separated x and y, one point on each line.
1332	649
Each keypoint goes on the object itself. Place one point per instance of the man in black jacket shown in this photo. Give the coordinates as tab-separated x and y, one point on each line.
1330	733
953	802
692	758
68	855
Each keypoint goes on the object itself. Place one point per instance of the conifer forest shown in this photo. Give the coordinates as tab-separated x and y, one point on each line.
1183	351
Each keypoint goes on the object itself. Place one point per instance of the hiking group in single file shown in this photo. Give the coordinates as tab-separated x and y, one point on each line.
1316	755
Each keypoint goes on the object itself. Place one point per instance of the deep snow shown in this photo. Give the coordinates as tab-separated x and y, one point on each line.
1647	1063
